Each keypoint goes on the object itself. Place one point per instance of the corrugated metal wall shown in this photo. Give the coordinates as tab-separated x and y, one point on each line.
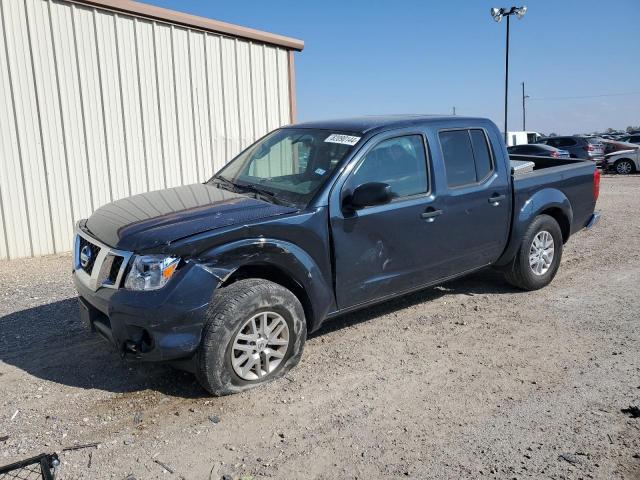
97	105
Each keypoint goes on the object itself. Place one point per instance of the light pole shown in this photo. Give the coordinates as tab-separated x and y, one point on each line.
497	14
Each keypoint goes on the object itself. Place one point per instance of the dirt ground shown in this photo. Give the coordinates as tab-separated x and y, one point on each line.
471	379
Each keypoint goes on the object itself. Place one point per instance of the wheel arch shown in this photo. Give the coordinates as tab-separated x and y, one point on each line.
548	201
626	159
275	274
563	221
278	261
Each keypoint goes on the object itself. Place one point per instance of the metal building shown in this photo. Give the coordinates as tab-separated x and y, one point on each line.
102	99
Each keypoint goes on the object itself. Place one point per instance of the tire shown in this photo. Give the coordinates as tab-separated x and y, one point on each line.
520	273
227	328
624	167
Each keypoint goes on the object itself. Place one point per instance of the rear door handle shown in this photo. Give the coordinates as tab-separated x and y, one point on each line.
430	215
496	199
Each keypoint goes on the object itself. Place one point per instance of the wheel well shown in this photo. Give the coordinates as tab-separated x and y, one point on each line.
560	217
626	160
275	275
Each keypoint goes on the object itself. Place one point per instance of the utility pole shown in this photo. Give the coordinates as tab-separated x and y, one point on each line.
524	109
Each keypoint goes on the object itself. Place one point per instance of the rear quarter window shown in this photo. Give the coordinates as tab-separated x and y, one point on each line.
481	154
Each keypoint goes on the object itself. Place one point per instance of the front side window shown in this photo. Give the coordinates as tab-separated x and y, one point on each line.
466	155
400	162
289	165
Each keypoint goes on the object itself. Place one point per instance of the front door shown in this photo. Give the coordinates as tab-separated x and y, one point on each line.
386	249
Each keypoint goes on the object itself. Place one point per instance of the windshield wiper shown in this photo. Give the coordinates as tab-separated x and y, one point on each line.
237	187
265	194
225	182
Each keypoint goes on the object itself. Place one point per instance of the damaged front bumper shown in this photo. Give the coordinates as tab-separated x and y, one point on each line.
158	325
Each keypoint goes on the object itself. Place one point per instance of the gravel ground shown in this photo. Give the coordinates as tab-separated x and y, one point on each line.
471	379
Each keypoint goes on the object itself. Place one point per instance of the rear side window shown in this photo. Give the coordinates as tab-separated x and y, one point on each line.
466	154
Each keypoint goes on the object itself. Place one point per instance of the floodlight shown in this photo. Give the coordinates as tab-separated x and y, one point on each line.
521	11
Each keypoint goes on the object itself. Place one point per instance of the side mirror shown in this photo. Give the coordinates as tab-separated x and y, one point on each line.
368	195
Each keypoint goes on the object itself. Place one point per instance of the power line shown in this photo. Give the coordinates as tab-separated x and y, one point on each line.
586	96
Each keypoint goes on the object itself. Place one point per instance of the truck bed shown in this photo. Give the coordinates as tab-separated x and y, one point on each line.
572	177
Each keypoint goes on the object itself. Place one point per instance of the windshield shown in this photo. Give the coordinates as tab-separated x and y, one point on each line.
289	165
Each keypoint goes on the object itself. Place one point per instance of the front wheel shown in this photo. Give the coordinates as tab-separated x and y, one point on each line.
538	257
624	167
254	333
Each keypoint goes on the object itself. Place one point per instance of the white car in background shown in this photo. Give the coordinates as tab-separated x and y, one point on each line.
623	162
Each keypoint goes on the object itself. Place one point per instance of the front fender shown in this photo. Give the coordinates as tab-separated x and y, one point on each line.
540	201
224	260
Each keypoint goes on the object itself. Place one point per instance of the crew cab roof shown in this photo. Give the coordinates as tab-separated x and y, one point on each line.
368	124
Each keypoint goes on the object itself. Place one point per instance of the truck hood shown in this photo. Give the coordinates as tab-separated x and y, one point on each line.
157	218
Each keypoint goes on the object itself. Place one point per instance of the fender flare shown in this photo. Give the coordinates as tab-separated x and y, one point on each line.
223	261
539	202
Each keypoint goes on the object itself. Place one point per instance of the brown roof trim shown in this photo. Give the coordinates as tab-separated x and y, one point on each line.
293	112
171	16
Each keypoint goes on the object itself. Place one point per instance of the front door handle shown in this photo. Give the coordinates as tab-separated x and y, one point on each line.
430	215
495	199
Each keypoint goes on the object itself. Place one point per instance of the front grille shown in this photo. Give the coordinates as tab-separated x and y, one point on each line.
104	266
108	274
94	249
115	268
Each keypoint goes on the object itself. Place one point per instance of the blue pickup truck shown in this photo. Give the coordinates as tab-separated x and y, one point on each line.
226	278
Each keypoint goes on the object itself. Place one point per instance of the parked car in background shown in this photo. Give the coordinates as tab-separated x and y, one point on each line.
635	138
623	162
611	146
539	150
589	148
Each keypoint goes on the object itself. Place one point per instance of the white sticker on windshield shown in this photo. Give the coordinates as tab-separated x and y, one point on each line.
320	171
343	139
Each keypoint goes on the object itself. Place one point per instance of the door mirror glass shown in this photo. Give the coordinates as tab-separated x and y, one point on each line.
369	195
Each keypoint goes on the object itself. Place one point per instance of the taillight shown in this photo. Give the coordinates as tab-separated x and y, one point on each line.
596	185
555	154
589	148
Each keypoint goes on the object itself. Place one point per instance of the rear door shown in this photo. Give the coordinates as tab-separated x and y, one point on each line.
475	196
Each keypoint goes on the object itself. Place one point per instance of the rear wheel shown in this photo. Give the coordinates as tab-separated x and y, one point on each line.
538	258
254	333
624	167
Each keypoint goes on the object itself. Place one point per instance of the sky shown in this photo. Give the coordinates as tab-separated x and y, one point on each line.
421	56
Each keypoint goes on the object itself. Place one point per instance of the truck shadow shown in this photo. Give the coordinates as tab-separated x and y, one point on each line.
486	281
50	342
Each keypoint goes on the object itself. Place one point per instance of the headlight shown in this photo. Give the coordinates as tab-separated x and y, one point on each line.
150	272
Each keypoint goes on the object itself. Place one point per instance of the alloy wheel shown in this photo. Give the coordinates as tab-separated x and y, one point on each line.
541	253
624	167
259	346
